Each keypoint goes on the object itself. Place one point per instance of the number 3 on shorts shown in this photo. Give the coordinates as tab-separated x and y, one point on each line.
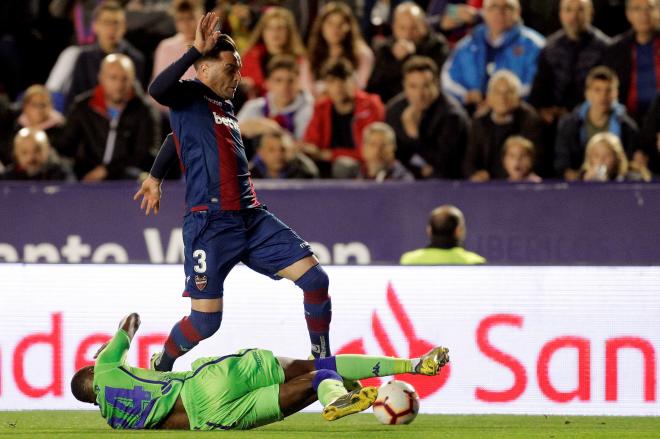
200	255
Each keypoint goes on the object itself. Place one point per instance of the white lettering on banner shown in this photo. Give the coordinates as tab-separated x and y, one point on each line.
43	252
171	252
74	251
342	253
110	252
155	246
523	340
8	253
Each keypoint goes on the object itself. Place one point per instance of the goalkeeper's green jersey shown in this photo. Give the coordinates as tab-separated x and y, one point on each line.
130	397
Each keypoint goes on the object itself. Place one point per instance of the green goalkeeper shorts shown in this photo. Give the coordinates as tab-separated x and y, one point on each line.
238	391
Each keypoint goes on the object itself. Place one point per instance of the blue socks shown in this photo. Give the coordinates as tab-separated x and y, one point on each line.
186	334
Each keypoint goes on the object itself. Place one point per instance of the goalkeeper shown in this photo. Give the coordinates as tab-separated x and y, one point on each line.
239	391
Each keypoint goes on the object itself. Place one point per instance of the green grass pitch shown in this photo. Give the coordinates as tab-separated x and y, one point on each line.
89	424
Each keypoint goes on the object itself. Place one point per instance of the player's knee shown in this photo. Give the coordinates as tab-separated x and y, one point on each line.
314	279
206	323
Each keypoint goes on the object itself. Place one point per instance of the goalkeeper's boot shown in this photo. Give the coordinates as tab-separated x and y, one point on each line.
431	362
349	403
351	385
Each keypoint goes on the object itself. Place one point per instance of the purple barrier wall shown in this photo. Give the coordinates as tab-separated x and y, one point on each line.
354	222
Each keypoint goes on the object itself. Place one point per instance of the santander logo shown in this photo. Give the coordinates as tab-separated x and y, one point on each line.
424	385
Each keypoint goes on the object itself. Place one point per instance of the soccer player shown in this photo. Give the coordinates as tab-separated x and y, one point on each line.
225	223
241	391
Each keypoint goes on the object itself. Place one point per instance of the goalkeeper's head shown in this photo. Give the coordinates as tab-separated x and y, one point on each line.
82	385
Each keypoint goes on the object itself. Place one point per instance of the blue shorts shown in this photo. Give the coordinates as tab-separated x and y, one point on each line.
214	242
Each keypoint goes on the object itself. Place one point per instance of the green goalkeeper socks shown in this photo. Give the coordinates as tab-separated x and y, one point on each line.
330	389
357	367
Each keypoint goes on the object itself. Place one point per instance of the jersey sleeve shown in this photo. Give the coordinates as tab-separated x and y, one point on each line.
167	89
116	350
165	159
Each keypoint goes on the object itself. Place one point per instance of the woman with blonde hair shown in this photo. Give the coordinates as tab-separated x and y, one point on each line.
275	34
605	160
336	34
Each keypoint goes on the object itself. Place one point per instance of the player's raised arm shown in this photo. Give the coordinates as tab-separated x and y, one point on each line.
166	88
115	350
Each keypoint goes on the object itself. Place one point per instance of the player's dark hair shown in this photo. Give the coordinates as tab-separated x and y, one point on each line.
340	69
106	6
224	44
420	64
184	6
443	222
82	384
286	62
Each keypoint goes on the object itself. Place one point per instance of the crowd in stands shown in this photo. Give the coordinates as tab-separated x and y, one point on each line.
478	90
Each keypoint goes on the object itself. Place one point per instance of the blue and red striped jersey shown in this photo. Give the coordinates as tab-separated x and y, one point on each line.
208	140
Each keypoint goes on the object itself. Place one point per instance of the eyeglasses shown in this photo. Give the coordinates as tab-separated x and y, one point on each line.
502	8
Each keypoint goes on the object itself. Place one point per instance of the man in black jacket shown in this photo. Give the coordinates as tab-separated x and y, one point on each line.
635	57
411	36
109	26
111	131
431	128
506	115
566	59
600	112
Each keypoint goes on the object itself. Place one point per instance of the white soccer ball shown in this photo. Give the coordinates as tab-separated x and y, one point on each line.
397	403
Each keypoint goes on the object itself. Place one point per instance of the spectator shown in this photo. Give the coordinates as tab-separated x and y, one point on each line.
650	135
518	160
276	157
187	14
275	34
379	155
335	35
502	42
109	25
81	13
635	57
505	115
599	113
431	127
411	36
604	160
565	61
34	159
38	112
284	106
454	18
446	230
340	118
111	130
7	123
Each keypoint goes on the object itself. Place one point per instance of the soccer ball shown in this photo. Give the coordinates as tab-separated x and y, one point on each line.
397	403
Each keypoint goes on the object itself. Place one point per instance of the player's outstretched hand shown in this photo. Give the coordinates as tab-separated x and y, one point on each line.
206	34
150	191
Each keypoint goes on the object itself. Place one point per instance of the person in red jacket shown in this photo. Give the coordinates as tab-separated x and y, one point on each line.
335	131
